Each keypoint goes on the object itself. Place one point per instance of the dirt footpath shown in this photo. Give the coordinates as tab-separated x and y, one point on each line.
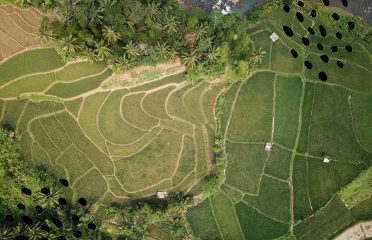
359	231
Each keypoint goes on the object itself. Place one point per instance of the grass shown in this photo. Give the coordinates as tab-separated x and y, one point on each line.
324	223
122	151
31	84
112	126
148	166
363	210
225	216
362	114
39	156
265	44
75	162
92	186
33	61
73	106
13	110
201	153
131	111
191	101
233	194
100	160
11	46
157	83
301	203
209	102
256	226
306	117
229	93
273	199
331	117
175	105
186	162
88	117
245	164
287	101
282	60
154	102
358	190
73	89
202	222
79	70
54	129
253	110
278	163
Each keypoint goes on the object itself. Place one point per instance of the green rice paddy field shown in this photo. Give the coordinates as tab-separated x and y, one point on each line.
121	144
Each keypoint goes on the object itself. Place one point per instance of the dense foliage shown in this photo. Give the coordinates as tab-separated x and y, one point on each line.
133	32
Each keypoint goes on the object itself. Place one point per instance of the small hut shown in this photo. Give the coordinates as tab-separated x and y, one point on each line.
274	37
268	146
162	195
326	159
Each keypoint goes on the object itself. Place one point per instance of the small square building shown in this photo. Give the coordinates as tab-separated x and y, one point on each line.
162	195
326	159
268	146
274	37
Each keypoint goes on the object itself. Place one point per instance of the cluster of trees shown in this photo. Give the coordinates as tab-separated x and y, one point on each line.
128	33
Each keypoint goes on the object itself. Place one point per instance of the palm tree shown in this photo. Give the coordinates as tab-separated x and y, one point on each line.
131	49
124	63
102	51
51	200
95	14
199	32
7	233
257	56
152	11
23	3
190	59
213	55
170	24
162	51
69	45
44	33
35	232
90	55
66	9
110	34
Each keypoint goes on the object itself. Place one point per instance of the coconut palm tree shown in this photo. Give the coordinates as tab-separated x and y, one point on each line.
152	11
95	14
50	200
44	33
162	51
213	54
6	233
257	56
132	49
69	45
199	32
66	9
190	59
23	3
110	35
170	24
34	232
124	63
102	51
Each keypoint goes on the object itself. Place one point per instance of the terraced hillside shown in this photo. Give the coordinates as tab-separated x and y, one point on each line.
290	189
110	144
17	30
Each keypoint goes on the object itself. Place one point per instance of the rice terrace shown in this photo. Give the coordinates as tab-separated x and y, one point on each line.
154	120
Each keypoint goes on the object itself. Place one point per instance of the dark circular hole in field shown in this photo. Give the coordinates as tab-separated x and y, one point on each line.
338	35
345	3
75	218
313	13
45	191
319	46
26	191
27	220
326	2
56	222
305	41
82	201
308	64
323	76
77	234
21	206
301	3
324	58
21	238
322	30
286	8
311	30
335	16
92	226
299	16
61	238
351	25
39	209
349	48
334	49
64	182
45	228
9	218
294	53
288	31
340	64
62	201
